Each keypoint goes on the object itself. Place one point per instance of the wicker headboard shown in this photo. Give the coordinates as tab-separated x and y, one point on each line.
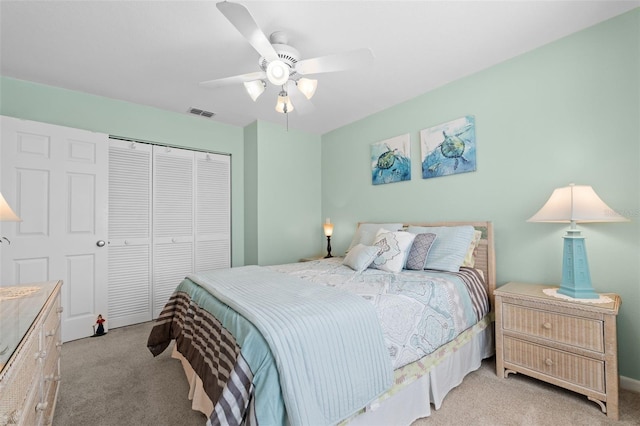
485	254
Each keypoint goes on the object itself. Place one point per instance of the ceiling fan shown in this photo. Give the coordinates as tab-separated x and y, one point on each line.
281	65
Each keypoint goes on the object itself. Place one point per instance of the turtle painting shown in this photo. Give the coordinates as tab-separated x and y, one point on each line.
453	146
387	159
390	160
449	148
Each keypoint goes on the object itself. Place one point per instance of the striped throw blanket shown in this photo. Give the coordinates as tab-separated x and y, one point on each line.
327	343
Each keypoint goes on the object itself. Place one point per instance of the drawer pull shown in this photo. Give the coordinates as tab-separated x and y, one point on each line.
60	309
43	354
41	406
547	325
548	361
50	333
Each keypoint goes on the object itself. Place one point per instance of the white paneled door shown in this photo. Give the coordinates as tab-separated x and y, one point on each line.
57	181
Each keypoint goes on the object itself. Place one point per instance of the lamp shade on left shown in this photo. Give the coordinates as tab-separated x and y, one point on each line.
6	213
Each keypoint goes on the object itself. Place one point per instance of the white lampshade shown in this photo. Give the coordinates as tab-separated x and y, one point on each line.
328	228
277	72
576	204
6	214
307	86
284	104
255	88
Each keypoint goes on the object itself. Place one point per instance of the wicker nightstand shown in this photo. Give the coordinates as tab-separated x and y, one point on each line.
567	343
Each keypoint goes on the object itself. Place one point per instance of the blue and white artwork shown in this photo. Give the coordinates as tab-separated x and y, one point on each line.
391	160
449	148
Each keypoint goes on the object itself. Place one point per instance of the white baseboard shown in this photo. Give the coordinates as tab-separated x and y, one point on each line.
630	384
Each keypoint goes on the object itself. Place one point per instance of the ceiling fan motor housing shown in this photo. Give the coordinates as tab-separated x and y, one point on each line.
287	54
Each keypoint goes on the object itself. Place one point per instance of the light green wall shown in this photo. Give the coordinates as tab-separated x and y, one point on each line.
283	218
251	194
566	112
53	105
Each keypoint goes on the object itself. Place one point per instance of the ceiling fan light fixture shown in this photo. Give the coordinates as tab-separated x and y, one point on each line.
277	72
307	86
255	88
284	105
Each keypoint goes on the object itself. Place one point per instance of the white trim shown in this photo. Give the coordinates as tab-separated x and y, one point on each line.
627	383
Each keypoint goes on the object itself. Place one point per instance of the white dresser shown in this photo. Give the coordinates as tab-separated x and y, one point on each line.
30	343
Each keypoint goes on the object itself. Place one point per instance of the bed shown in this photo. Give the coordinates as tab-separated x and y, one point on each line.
384	350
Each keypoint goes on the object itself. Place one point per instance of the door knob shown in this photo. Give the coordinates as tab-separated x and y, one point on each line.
100	243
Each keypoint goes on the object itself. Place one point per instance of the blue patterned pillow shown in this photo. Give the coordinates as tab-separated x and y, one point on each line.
450	247
360	257
395	247
417	258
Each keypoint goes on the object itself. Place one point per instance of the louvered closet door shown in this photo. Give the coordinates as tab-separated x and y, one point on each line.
129	233
213	211
173	221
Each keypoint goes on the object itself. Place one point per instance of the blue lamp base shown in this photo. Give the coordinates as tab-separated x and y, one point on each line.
576	280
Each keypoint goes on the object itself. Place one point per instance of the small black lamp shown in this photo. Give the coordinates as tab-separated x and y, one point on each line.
328	232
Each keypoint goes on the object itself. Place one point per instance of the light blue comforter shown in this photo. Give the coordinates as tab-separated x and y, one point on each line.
327	343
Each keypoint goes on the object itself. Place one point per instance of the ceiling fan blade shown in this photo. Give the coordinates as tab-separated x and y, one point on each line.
336	62
236	79
300	102
240	18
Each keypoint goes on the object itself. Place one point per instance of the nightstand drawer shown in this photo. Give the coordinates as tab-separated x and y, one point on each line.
576	331
575	369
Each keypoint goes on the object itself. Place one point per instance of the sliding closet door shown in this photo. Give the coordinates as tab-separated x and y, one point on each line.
213	211
169	216
129	233
173	221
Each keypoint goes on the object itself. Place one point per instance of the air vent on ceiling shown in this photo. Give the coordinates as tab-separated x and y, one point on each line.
203	113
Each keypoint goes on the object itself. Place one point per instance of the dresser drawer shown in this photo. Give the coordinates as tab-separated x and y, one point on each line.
51	322
24	376
585	333
51	391
575	369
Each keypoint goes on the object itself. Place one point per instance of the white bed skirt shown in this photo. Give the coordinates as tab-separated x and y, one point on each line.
414	400
405	406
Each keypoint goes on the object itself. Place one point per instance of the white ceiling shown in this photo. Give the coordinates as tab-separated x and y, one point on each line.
156	52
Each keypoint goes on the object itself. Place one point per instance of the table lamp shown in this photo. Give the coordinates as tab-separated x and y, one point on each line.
328	232
7	215
576	204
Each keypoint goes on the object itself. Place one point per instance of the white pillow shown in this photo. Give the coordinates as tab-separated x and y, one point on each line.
360	257
366	232
448	251
395	247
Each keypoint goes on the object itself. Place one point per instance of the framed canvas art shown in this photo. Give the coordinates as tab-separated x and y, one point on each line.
449	148
391	160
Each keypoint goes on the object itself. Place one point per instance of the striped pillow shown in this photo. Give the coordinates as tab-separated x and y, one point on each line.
450	247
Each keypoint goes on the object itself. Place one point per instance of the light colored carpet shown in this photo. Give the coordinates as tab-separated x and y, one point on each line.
114	380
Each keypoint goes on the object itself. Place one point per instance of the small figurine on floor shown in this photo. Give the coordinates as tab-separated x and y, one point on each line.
100	331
